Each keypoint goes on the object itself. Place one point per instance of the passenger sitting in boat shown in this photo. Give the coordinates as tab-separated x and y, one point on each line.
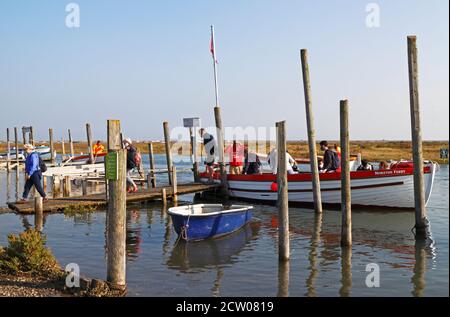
210	145
365	166
273	161
384	165
235	157
252	164
331	161
98	148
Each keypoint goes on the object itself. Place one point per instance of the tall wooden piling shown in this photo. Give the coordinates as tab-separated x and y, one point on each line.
346	230
8	154
44	183
151	158
168	152
31	136
283	199
24	136
311	133
67	186
174	185
89	143
84	186
421	225
221	150
283	278
16	140
63	149
72	153
52	146
194	154
38	213
164	196
56	186
116	237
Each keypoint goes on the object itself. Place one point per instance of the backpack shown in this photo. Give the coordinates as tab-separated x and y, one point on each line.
138	158
42	165
336	163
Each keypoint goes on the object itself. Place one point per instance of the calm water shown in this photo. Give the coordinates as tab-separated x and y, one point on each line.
246	263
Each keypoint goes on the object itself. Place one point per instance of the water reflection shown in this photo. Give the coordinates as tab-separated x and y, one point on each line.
133	235
346	272
283	278
192	256
313	256
167	231
424	249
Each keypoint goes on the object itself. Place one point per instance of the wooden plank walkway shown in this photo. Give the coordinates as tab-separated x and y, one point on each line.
98	200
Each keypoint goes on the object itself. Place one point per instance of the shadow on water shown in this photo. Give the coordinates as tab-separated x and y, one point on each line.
189	257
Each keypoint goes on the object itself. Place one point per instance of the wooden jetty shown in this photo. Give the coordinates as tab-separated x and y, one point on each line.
98	200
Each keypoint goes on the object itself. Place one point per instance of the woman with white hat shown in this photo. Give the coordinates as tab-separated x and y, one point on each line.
33	173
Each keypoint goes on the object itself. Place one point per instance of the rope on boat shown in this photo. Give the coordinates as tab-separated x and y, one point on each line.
184	229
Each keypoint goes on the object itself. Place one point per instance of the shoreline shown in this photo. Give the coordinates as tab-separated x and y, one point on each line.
373	151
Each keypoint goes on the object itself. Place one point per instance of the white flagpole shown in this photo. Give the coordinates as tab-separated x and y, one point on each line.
216	84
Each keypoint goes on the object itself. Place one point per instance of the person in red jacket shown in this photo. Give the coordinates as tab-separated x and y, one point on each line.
235	154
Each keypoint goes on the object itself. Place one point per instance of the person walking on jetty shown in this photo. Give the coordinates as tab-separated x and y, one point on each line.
131	164
331	161
210	145
34	167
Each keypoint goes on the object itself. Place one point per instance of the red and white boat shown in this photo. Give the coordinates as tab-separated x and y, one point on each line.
392	188
84	159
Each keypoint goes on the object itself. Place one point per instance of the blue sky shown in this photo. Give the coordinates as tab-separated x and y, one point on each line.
147	61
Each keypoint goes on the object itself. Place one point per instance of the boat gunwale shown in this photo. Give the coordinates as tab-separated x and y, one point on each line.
173	210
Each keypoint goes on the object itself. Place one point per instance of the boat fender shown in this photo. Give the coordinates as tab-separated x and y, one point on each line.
274	187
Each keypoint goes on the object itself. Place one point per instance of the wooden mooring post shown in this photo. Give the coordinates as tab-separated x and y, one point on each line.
116	222
52	146
89	143
63	149
174	185
346	229
221	150
168	152
311	133
164	196
67	186
56	186
283	199
151	177
194	152
38	213
16	140
84	187
8	148
72	153
422	223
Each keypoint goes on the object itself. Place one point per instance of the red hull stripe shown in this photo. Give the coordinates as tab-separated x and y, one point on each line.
322	189
306	177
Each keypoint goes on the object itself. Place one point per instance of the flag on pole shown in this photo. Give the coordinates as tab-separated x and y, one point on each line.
213	46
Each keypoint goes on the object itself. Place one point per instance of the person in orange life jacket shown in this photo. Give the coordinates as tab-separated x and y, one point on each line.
33	174
98	148
331	160
236	157
210	145
131	164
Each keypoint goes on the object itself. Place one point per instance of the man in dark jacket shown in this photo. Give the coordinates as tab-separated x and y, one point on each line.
331	162
131	164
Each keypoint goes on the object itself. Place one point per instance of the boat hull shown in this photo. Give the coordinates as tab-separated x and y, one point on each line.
201	227
387	188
